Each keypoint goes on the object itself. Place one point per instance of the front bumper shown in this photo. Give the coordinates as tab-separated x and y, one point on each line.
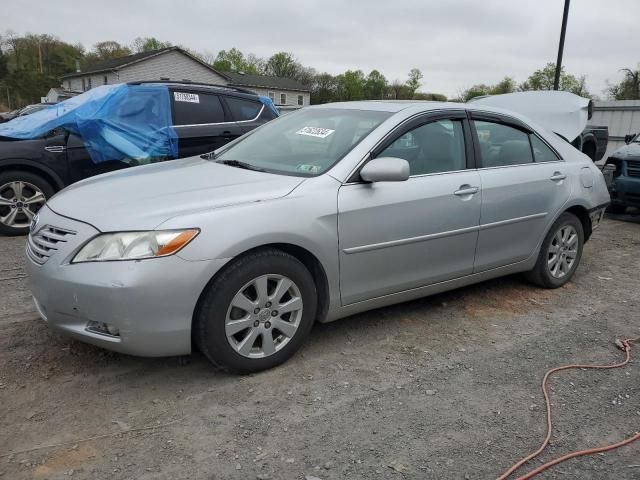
150	302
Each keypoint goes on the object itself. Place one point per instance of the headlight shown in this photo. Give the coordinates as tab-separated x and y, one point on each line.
134	245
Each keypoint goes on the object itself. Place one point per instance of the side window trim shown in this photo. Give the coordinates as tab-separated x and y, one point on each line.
408	125
500	120
509	122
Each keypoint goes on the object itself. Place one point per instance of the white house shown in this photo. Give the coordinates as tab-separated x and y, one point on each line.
174	63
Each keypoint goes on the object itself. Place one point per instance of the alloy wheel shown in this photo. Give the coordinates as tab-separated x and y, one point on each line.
264	315
562	251
19	202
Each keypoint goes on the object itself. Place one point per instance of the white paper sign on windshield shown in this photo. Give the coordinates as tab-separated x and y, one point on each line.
186	97
317	132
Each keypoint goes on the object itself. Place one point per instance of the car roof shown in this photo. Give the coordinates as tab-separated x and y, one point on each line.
391	106
200	87
410	107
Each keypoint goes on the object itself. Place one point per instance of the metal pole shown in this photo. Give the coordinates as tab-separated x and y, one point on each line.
556	83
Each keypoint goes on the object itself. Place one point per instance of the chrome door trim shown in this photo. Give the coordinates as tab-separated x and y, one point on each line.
433	236
509	221
55	148
222	123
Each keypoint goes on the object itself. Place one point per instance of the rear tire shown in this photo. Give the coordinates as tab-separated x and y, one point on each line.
257	313
560	253
22	194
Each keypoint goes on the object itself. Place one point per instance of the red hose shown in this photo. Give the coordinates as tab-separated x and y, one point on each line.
626	347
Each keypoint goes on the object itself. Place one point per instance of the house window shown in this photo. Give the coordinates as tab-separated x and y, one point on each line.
89	83
106	80
300	100
84	85
283	99
272	96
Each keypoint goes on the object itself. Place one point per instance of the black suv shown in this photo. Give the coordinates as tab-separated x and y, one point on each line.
31	171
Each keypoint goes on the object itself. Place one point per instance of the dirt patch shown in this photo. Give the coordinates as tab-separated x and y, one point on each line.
510	297
68	461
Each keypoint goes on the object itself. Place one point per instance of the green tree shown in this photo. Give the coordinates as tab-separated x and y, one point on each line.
414	80
32	64
375	85
543	79
106	50
324	88
351	85
478	90
506	85
283	64
629	86
148	44
234	61
435	97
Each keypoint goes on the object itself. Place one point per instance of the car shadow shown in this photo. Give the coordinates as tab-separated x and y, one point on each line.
632	215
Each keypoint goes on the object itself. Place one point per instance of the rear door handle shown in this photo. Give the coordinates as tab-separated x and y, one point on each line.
466	190
558	176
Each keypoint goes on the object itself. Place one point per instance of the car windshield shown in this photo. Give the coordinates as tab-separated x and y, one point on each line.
637	139
304	143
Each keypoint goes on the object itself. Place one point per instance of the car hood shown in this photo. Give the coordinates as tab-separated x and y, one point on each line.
561	112
142	198
628	152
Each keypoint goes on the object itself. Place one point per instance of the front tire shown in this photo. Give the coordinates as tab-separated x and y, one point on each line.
21	196
560	253
257	313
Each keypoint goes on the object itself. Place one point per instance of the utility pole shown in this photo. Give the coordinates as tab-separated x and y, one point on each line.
556	83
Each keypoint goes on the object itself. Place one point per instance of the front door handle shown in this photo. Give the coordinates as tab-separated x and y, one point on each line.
466	190
558	177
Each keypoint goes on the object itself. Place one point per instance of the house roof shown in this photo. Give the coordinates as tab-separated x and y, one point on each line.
264	81
121	62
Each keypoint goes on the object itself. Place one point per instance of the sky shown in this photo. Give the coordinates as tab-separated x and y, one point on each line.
455	43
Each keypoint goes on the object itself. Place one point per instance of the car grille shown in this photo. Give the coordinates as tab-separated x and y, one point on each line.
633	168
42	244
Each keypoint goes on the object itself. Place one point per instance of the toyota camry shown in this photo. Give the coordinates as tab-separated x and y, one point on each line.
329	211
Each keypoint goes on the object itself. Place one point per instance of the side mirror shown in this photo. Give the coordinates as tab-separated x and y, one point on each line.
385	169
628	138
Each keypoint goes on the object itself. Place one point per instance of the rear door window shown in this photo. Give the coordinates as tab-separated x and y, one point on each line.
243	109
196	108
502	145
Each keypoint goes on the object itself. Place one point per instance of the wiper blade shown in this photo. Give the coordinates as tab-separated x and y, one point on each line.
239	164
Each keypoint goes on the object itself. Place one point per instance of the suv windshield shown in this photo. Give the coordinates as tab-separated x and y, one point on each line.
305	143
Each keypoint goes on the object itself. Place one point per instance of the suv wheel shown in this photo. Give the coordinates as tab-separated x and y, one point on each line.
257	312
21	196
560	253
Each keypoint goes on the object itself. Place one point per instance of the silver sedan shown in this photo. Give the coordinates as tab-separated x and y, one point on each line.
320	214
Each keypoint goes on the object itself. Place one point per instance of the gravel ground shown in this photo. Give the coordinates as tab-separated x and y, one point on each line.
447	387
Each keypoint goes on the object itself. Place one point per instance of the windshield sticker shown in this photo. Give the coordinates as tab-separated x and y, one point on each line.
317	132
309	168
186	97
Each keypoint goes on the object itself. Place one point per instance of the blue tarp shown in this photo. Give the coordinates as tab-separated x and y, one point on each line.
269	104
115	122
